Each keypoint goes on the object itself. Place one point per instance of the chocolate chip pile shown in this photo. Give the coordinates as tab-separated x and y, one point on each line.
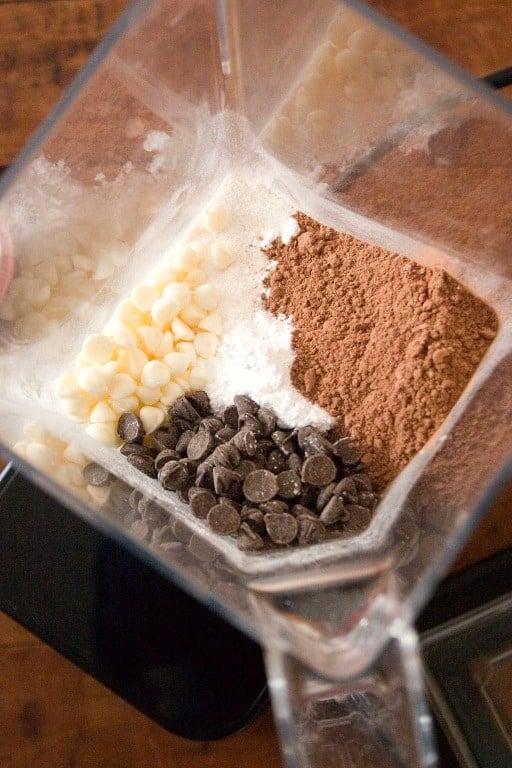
249	476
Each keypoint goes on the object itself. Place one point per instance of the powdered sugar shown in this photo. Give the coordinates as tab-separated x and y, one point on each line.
255	355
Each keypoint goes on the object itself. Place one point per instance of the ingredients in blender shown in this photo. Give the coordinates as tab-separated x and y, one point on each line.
250	476
385	345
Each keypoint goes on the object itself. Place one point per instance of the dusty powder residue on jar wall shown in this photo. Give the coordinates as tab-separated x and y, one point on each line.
452	188
385	345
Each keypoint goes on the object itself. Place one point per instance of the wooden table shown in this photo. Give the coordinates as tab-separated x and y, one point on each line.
51	714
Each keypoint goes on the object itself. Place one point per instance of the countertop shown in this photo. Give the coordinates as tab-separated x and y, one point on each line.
52	714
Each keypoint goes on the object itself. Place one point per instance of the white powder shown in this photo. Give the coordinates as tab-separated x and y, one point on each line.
255	355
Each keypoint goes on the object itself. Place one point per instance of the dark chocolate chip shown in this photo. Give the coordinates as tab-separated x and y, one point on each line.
224	479
95	474
200	446
324	494
276	461
144	464
210	424
223	519
183	409
267	421
184	440
224	435
274	505
128	448
130	428
318	470
302	433
315	443
246	442
368	499
333	511
200	401
295	462
164	456
134	498
248	421
362	482
249	540
230	417
299	510
204	476
254	517
166	438
226	455
260	485
344	449
244	467
201	501
311	531
346	488
281	528
245	404
284	441
358	518
289	484
152	512
173	476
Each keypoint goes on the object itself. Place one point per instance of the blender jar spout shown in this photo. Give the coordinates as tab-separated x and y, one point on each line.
343	669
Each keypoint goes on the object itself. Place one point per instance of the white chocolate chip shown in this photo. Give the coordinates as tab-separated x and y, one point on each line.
165	346
93	381
196	277
179	292
178	362
132	361
97	349
216	219
148	395
128	314
78	408
212	323
150	337
105	433
125	404
181	331
151	418
198	377
205	296
170	393
188	349
125	337
99	494
41	455
155	374
67	386
183	382
222	257
205	344
192	314
144	296
164	311
122	385
74	455
186	258
101	413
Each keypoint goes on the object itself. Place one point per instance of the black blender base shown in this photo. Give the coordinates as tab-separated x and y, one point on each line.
120	621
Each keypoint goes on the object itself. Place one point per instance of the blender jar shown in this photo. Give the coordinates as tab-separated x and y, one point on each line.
357	125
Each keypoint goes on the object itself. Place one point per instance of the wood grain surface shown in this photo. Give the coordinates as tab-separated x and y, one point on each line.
51	714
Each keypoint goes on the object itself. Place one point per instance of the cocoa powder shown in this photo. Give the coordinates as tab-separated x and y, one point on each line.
383	344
